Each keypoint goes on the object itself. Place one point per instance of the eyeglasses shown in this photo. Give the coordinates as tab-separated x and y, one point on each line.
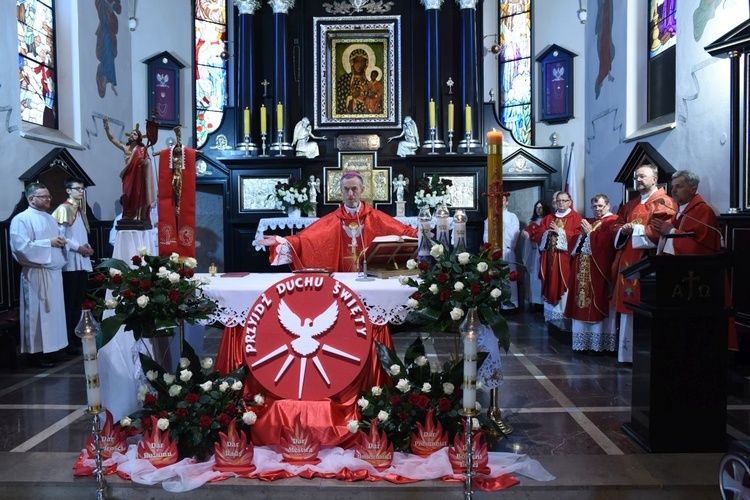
42	197
642	176
79	189
563	201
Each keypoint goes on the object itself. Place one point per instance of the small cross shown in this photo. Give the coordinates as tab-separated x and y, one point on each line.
450	84
690	279
265	84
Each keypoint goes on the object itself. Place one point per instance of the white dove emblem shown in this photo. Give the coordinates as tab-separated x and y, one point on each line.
162	80
308	328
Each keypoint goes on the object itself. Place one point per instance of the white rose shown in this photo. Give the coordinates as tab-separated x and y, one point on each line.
437	250
142	301
174	277
479	385
190	263
174	257
457	313
463	258
151	375
207	386
482	267
110	303
434	367
458	286
352	426
142	391
207	363
403	385
126	422
363	403
404	280
184	362
224	386
259	399
249	418
168	378
426	387
395	370
142	251
376	390
383	415
411	264
163	424
478	405
163	272
434	288
174	390
496	293
186	375
448	388
475	425
412	303
237	386
420	361
114	272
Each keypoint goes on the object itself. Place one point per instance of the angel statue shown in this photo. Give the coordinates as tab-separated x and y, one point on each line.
409	132
302	135
400	184
313	185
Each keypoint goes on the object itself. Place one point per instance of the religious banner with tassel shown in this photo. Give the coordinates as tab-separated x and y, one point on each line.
177	199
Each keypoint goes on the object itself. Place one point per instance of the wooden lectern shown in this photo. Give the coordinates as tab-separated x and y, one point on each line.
679	400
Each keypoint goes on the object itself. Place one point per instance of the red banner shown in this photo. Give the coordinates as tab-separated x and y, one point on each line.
177	202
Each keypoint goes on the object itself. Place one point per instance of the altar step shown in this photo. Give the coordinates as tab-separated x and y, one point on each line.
614	477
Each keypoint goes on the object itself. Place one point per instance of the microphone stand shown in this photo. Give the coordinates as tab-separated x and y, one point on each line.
661	202
364	276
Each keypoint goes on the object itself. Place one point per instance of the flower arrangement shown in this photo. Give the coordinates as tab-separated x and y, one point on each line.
431	191
194	404
457	281
418	387
292	194
151	297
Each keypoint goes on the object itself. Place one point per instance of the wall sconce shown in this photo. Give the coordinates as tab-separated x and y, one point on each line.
582	13
132	23
495	47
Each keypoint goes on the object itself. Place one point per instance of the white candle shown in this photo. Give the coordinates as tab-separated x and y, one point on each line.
470	371
91	368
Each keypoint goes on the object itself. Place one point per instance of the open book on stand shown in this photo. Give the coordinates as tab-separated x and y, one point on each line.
387	255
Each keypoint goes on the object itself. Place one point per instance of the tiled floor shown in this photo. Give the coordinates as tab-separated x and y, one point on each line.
566	407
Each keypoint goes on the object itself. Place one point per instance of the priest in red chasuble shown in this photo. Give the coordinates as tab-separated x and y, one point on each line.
634	237
336	240
561	230
590	273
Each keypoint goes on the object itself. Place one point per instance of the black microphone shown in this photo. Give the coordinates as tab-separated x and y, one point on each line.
683	214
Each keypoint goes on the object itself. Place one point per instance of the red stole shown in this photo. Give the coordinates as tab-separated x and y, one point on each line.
177	210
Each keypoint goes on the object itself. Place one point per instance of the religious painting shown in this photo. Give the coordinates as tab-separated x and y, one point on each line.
376	179
256	193
469	183
164	89
357	70
557	85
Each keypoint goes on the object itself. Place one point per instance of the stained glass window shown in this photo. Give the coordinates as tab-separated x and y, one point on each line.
661	62
210	67
36	61
515	68
662	26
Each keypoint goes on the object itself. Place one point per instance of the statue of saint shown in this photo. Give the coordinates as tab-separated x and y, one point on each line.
400	185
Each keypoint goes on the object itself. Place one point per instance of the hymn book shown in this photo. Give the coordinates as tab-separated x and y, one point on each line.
387	255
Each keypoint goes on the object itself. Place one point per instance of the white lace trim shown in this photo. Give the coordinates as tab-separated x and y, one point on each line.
594	341
490	374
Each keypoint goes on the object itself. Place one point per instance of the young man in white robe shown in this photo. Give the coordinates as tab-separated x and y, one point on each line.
38	248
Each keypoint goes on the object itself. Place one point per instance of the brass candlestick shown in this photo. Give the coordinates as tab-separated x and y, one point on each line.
263	146
450	143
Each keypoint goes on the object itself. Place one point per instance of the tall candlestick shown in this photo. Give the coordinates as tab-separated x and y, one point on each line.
431	110
263	119
467	119
470	371
246	121
451	115
279	116
495	189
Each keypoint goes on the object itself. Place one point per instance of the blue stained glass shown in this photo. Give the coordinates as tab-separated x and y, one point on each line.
515	68
210	67
36	62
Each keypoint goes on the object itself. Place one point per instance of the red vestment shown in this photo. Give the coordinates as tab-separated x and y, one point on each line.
554	266
706	239
637	213
590	273
322	244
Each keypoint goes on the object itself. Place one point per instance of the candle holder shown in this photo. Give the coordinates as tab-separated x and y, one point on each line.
494	413
263	145
450	143
87	330
433	132
468	143
246	144
469	474
280	135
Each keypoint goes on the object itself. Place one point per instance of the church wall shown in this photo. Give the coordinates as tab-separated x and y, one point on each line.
699	140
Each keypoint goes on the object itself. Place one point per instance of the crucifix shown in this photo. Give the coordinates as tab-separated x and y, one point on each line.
265	83
450	84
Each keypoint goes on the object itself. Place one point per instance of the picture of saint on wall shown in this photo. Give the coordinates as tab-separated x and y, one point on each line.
359	88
